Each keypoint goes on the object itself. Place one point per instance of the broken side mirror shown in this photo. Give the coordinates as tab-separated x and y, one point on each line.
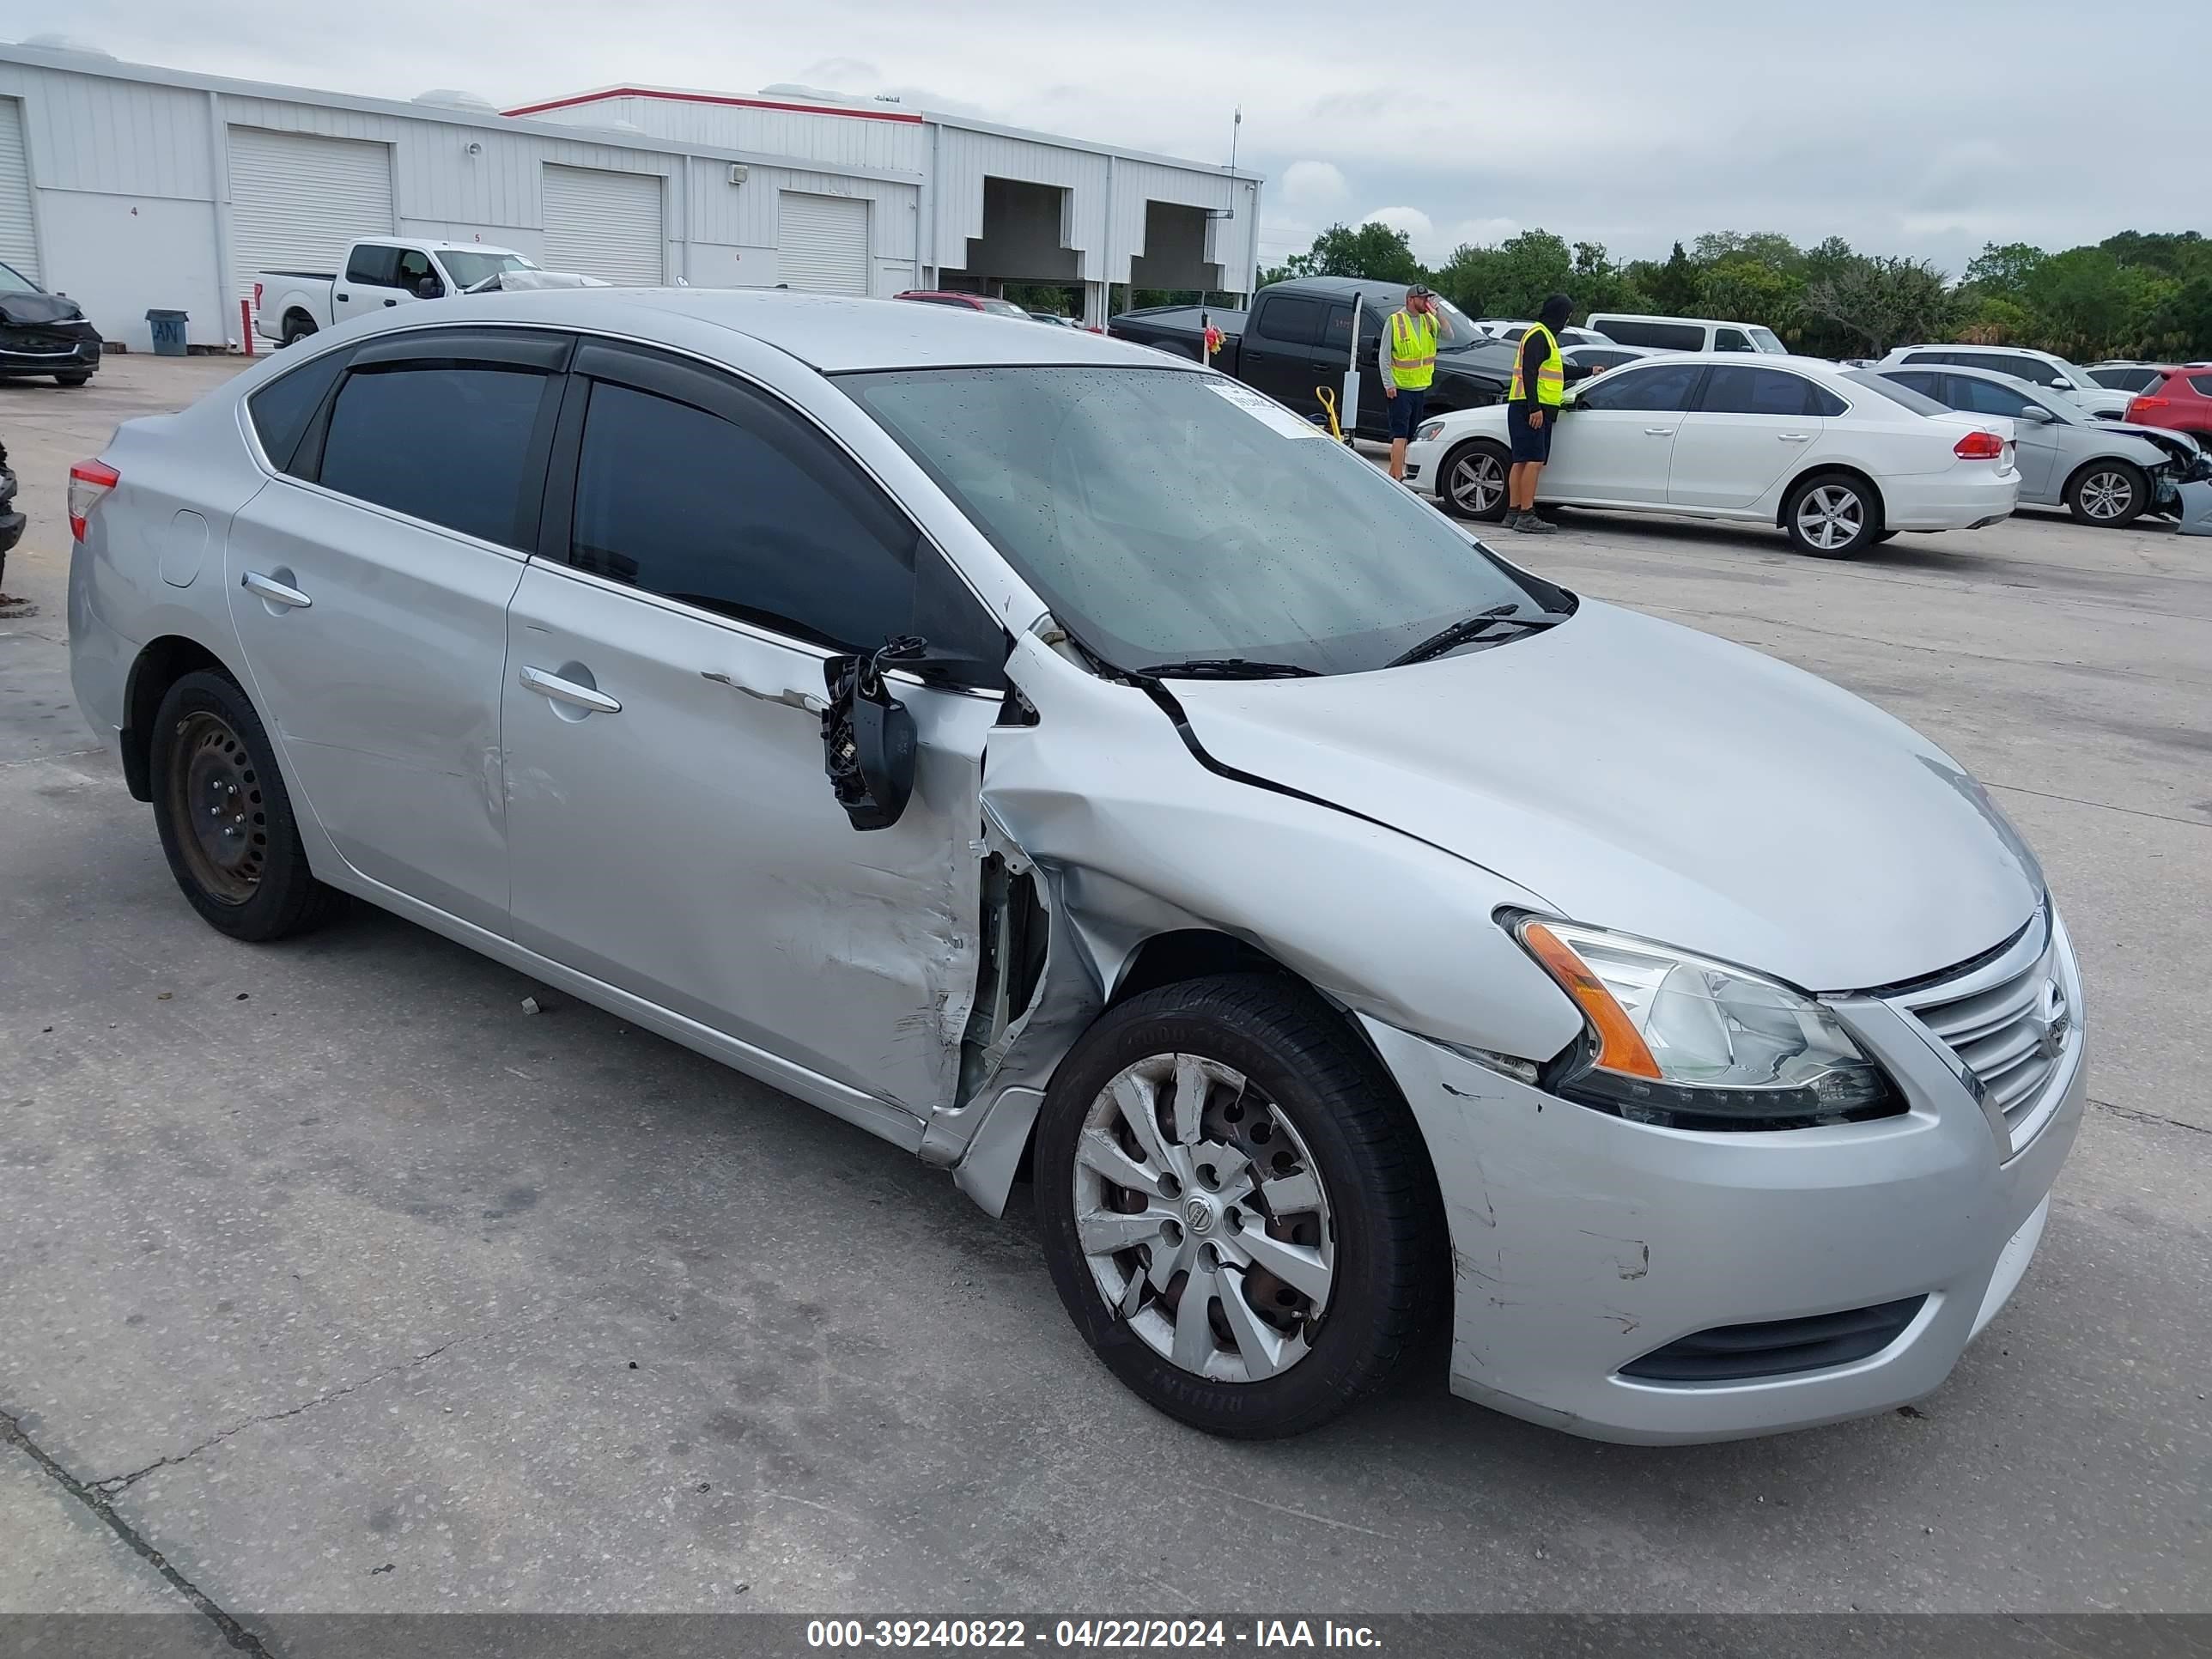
868	737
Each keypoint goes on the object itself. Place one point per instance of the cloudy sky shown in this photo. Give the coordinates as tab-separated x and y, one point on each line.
1911	126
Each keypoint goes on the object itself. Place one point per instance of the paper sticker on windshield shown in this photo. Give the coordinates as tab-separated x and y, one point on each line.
1265	409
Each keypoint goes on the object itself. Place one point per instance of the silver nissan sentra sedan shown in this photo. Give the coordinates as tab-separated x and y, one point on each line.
1059	760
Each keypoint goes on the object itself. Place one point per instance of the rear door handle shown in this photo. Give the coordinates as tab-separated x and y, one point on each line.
1794	437
1658	431
274	592
568	691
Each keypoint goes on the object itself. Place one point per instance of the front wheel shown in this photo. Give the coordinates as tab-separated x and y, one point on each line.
71	379
1471	482
225	821
1832	515
1235	1207
2110	495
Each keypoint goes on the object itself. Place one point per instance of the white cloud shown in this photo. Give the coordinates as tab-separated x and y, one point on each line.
1313	185
1420	230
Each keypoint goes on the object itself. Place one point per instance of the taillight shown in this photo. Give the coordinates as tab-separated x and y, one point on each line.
1980	447
89	482
2147	402
257	297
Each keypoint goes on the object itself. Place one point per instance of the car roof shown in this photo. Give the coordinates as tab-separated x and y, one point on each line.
1739	359
1968	345
830	333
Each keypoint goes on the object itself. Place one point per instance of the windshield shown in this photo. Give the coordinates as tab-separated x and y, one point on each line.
13	281
1166	515
1767	340
468	267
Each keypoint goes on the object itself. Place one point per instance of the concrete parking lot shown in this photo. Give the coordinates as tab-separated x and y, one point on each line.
341	1283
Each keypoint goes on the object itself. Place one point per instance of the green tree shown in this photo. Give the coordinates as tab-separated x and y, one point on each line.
2083	301
1766	247
1677	287
1373	251
1742	290
1885	301
2003	270
1513	279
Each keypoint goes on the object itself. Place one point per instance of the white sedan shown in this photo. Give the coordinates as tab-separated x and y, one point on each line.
1839	459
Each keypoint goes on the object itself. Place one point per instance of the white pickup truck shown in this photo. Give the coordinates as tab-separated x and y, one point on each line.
380	271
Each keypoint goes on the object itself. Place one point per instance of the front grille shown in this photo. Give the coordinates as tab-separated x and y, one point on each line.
2008	1022
65	339
1777	1347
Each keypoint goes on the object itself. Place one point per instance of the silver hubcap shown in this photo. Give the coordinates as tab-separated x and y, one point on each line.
1831	517
2106	495
1477	482
1204	1219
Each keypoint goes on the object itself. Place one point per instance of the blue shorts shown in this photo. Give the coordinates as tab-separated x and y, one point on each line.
1530	443
1405	411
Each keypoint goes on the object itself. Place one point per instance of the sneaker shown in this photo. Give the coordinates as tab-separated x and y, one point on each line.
1529	525
1512	520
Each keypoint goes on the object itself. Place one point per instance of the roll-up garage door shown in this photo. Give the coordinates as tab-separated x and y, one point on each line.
821	242
297	201
19	240
605	224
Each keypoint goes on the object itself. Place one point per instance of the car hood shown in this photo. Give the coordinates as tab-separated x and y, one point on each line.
22	310
2178	445
1642	776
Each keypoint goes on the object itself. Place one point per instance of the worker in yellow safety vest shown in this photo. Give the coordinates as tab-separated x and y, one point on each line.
1410	345
1532	406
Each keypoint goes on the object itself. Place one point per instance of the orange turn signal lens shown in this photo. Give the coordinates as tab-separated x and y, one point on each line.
1621	1047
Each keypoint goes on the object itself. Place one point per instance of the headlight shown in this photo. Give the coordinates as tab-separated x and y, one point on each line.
1680	1039
1431	432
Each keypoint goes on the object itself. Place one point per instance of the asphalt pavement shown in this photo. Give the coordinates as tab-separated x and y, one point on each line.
332	1280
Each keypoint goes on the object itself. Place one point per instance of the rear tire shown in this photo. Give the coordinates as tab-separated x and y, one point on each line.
226	823
1345	1207
2110	495
298	325
1480	493
1832	515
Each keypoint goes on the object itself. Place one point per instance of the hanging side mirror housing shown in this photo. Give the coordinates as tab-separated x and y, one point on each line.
868	745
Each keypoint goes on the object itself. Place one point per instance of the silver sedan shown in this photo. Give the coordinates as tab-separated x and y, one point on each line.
2104	472
1058	760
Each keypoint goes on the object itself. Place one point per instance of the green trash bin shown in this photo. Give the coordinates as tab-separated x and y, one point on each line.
168	332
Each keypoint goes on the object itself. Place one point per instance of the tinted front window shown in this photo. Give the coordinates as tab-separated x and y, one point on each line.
469	269
1984	397
378	267
1766	340
1919	402
1731	339
13	281
761	522
1926	382
1668	386
2031	369
1289	319
1731	390
1165	515
282	410
448	444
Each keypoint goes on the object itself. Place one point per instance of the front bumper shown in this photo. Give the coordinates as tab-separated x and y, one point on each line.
31	351
1582	1242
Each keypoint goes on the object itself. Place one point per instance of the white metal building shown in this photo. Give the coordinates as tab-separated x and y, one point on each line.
129	187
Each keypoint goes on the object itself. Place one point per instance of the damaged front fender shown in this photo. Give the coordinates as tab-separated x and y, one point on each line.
1131	836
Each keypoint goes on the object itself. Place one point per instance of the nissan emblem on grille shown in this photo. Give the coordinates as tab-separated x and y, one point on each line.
2056	1019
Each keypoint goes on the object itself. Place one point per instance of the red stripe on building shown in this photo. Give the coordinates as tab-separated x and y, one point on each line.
714	98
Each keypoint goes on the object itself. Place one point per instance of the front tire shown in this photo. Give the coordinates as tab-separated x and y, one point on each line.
1471	482
71	379
2110	495
1235	1207
226	823
1832	515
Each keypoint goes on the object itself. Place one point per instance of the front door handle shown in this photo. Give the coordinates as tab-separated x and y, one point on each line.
1658	431
391	302
272	592
342	296
576	697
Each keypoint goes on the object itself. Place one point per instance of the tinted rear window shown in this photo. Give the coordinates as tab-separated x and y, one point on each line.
1918	402
281	410
1668	337
2203	384
446	445
1735	390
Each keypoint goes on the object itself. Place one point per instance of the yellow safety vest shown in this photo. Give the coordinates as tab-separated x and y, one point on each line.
1413	350
1551	374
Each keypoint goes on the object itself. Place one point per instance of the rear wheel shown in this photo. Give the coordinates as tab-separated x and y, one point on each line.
298	325
225	821
1832	515
1471	482
1235	1205
2108	494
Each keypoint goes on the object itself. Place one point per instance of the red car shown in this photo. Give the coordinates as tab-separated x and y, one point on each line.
2182	401
930	296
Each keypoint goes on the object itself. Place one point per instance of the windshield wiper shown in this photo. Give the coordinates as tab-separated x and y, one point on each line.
1469	628
1227	668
